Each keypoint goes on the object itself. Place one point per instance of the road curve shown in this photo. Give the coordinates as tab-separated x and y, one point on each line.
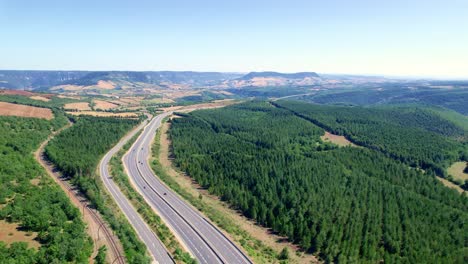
205	241
152	242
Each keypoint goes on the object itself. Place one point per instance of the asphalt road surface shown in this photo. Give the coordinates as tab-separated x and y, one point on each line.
205	241
154	245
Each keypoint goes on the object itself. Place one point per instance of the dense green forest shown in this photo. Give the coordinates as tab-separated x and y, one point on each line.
269	91
204	96
41	206
345	204
412	135
77	151
454	99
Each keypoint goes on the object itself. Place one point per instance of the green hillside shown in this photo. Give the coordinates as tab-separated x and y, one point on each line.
344	204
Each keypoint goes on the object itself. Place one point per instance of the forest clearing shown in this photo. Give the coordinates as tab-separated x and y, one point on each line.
10	233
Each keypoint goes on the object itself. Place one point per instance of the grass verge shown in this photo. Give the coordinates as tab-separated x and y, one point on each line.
150	217
135	250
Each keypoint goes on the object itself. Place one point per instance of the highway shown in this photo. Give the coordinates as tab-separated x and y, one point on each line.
205	241
155	247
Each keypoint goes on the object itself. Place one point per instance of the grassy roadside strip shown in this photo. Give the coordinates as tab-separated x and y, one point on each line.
135	250
150	217
259	252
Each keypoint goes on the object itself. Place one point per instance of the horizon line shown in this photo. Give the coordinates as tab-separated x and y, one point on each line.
379	75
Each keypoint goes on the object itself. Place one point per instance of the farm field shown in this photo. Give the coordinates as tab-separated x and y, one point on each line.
81	106
103	114
8	109
16	92
40	98
104	105
130	100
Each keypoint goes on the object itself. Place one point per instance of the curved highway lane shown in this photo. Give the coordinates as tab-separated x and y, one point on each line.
204	240
152	242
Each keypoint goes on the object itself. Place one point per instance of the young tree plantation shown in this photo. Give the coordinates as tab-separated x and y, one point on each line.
346	204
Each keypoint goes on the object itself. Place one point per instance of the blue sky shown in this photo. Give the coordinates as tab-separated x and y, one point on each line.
406	38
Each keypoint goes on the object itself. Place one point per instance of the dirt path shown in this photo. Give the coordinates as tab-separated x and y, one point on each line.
451	185
256	231
97	229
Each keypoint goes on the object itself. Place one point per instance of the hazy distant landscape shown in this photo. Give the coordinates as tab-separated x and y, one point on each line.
288	151
233	132
178	87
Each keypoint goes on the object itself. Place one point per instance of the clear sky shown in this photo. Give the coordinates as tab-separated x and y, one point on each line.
397	37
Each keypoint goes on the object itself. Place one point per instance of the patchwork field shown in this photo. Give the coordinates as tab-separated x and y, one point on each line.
67	87
8	109
103	114
10	233
104	105
131	100
34	96
16	92
105	84
69	97
77	106
40	98
158	101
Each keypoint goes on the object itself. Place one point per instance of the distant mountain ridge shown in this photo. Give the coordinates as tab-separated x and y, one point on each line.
270	78
96	80
297	75
12	79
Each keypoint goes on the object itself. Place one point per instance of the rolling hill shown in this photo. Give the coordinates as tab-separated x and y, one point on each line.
118	80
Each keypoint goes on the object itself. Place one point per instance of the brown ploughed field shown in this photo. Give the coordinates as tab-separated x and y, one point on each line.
8	109
40	98
104	105
104	114
77	106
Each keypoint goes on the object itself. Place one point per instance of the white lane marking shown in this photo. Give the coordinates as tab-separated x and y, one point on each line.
123	203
